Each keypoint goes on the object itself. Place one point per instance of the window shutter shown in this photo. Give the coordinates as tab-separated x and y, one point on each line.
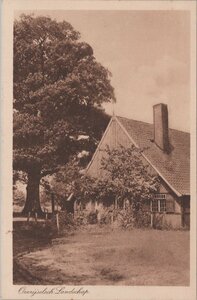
170	205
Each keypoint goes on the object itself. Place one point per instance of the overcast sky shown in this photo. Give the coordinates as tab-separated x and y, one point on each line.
148	54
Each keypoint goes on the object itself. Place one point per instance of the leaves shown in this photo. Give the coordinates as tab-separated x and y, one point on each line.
58	89
54	69
125	175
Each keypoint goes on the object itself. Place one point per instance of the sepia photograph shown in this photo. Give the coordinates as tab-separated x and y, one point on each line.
101	150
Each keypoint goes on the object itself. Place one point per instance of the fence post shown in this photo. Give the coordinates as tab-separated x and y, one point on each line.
28	216
112	217
57	222
36	217
52	203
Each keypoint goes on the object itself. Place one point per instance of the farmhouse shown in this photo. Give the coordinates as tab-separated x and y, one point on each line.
167	152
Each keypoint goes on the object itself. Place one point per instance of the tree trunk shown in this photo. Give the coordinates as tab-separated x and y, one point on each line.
32	203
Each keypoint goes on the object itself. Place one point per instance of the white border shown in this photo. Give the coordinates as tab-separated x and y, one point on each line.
95	292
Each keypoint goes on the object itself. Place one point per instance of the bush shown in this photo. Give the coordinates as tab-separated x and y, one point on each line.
84	218
142	219
66	221
106	217
158	221
161	224
18	198
125	218
92	217
80	218
124	177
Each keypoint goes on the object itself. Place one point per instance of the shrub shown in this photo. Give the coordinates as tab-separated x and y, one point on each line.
125	218
158	221
80	218
106	216
92	218
123	176
142	219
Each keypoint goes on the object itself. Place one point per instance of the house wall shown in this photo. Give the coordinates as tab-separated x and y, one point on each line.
173	216
186	211
170	220
181	216
114	137
171	197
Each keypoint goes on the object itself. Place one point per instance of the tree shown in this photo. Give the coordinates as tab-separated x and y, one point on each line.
125	175
59	88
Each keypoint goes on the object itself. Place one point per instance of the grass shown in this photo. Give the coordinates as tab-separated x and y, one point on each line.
102	256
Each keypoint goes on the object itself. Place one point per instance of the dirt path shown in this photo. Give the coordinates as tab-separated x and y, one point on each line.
102	256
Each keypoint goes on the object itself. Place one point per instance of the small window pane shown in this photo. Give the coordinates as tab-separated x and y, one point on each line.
155	205
162	205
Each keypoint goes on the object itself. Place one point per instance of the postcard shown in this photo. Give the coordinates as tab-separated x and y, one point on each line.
98	164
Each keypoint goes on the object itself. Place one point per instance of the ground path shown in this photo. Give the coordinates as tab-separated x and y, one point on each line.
106	256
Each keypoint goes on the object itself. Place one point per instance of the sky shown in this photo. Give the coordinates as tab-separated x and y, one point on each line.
148	54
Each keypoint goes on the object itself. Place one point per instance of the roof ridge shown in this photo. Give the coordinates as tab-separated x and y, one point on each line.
171	129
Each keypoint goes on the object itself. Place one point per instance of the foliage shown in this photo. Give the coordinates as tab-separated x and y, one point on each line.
62	184
161	224
125	177
59	88
81	218
18	176
106	216
18	197
92	217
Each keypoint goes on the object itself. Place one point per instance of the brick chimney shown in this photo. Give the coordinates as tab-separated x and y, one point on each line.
160	117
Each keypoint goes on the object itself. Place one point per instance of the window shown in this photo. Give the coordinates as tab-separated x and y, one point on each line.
162	205
160	196
158	204
154	205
